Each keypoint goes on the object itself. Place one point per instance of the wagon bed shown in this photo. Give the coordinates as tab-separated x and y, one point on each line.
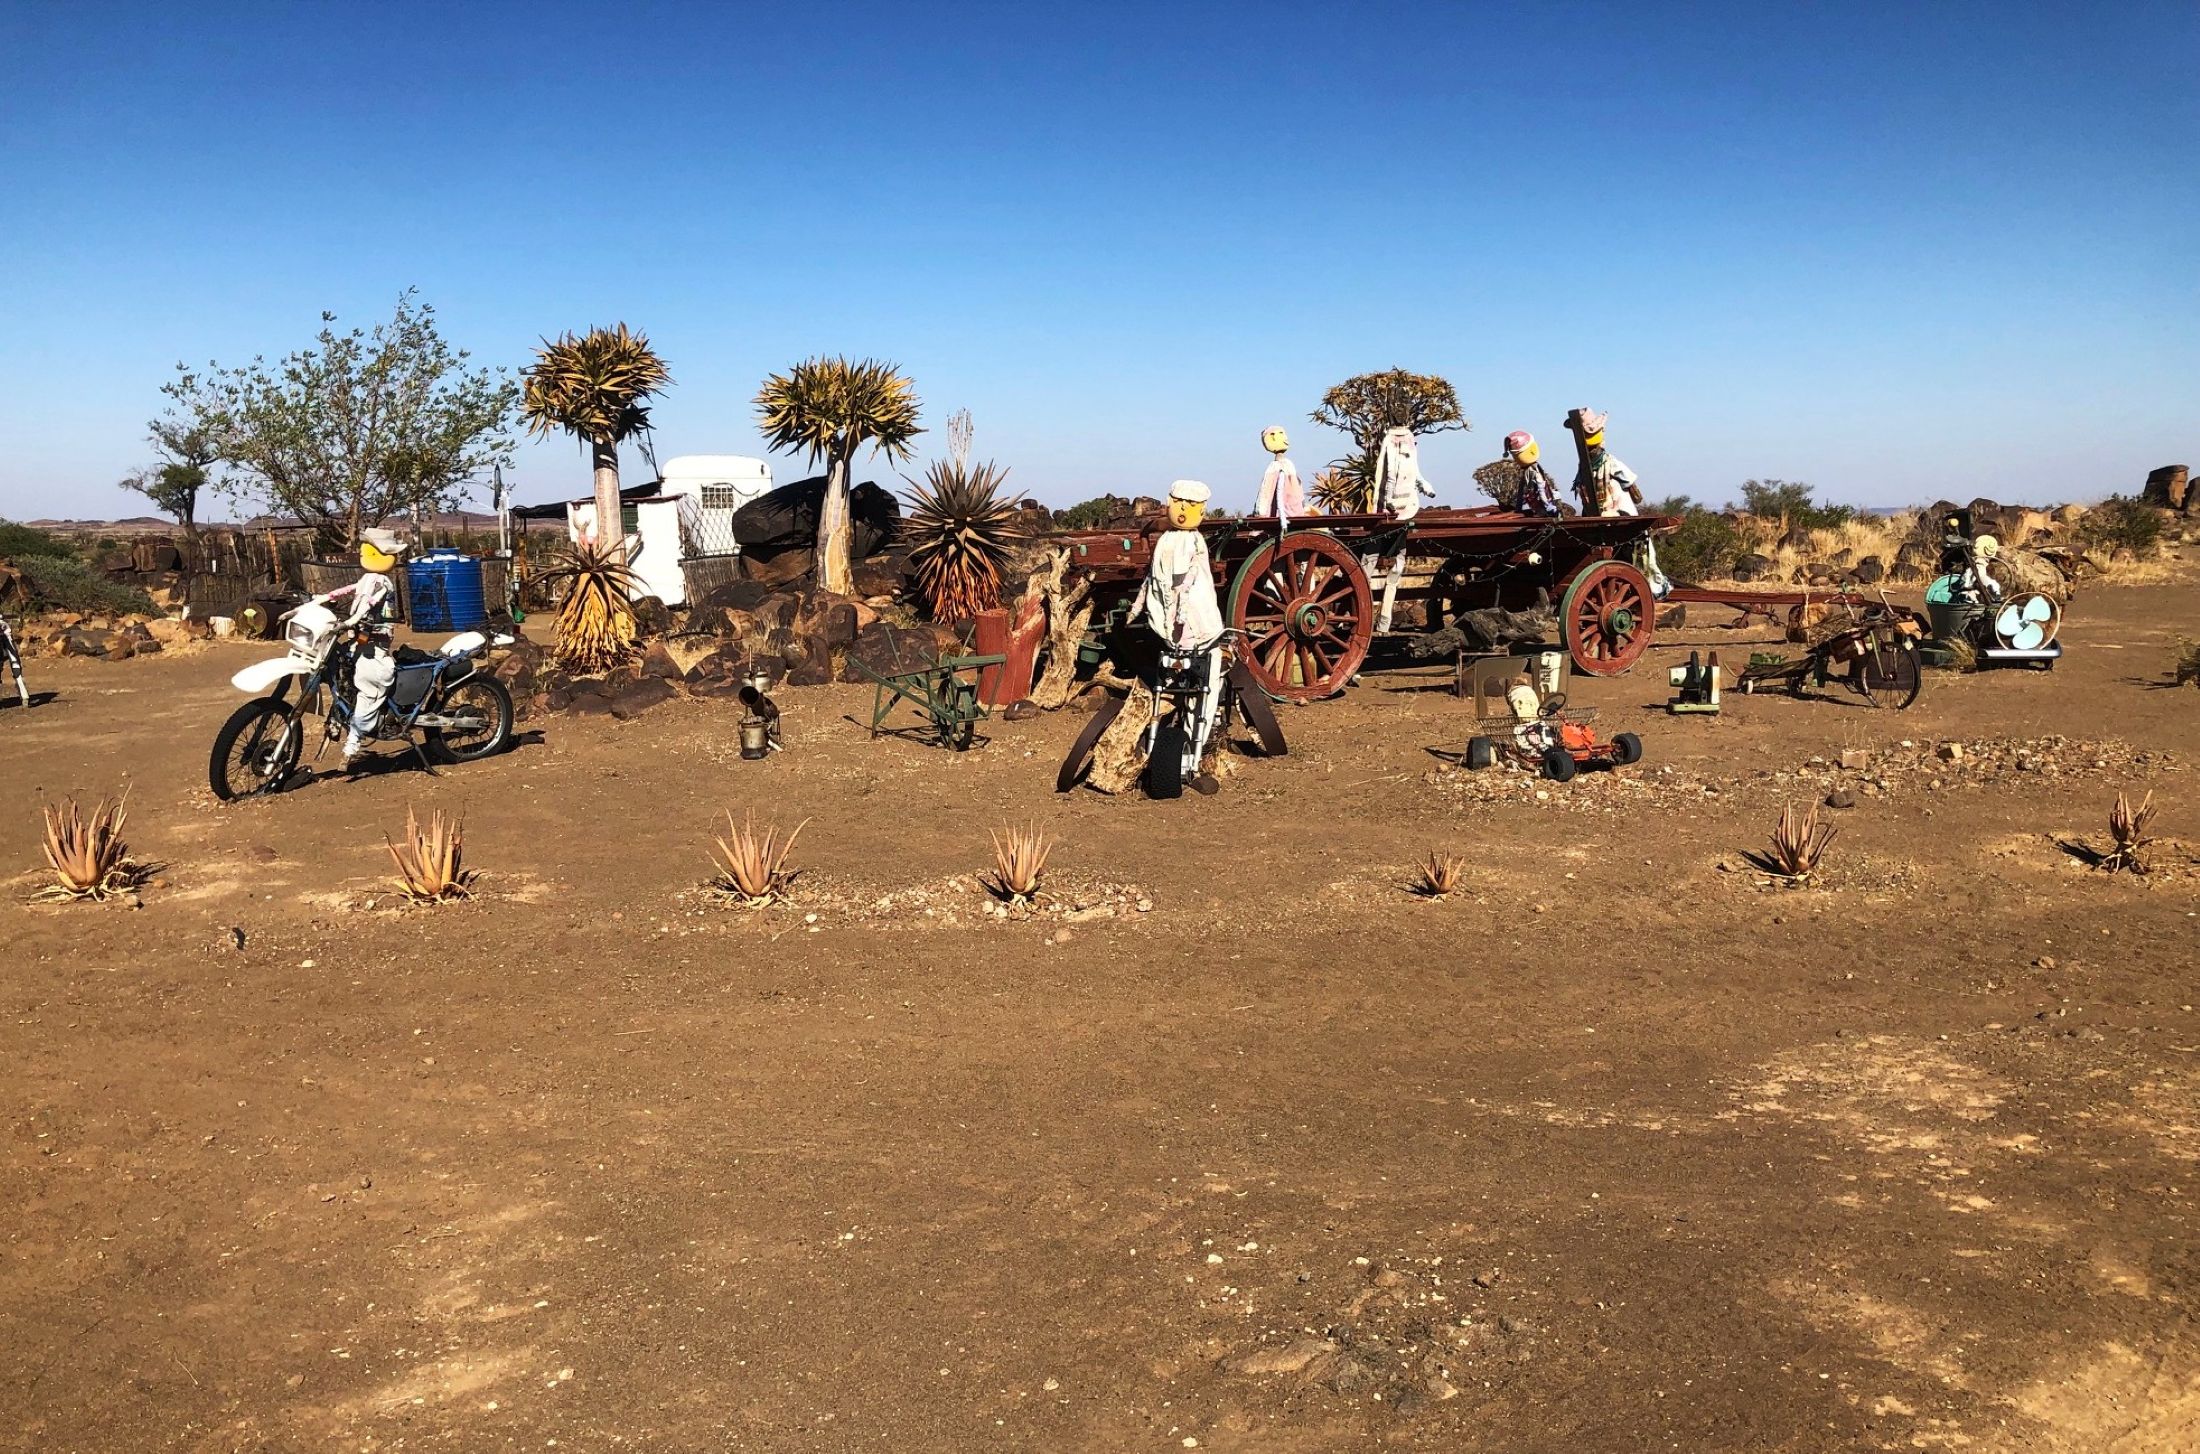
1304	602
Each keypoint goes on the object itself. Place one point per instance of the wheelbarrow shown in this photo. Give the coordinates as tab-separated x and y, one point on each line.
945	694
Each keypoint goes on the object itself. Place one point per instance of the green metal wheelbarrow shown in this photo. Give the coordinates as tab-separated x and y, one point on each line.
941	693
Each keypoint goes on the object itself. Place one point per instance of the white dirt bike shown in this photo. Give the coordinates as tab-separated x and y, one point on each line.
445	697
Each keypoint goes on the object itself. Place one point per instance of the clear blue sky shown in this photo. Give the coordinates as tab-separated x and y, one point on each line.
1896	250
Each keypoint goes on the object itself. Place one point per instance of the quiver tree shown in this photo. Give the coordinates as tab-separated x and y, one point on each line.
829	408
596	387
1365	405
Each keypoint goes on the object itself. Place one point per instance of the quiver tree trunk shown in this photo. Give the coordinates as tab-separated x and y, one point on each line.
1069	616
610	517
835	571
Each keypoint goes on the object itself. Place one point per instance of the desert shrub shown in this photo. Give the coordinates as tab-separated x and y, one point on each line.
1705	545
64	583
19	541
2121	525
1093	513
2187	666
1790	501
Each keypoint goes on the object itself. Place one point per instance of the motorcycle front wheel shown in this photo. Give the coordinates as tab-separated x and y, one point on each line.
484	709
256	750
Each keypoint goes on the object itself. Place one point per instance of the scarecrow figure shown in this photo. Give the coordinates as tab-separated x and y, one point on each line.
1281	494
1538	491
1398	488
374	607
1607	486
1178	602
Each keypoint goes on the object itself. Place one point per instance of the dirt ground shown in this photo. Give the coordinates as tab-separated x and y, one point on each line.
1621	1149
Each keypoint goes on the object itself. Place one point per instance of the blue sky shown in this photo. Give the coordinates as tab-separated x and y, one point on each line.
1899	251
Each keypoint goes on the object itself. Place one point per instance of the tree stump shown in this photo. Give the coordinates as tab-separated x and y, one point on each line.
1119	758
1069	616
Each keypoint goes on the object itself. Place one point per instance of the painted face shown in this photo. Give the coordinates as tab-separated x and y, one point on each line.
1274	440
1529	453
373	559
1186	514
1593	441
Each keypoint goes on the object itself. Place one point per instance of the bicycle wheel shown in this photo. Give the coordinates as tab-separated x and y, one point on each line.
256	750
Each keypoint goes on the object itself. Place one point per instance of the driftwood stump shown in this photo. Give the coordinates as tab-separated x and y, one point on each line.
1069	616
1119	758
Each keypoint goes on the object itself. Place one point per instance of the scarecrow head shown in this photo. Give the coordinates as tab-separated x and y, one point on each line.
1188	504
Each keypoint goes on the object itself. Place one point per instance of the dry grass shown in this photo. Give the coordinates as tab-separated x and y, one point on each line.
429	862
1880	535
1439	875
88	856
1798	844
752	866
2127	829
2187	666
1019	863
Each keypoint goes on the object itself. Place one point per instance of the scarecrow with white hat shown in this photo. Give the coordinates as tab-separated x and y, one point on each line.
1607	486
374	609
1281	494
1398	489
1179	605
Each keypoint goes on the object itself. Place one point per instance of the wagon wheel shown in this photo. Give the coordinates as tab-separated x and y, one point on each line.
1305	608
1607	617
1886	675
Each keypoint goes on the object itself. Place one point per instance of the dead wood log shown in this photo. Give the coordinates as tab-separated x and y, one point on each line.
1119	757
1069	616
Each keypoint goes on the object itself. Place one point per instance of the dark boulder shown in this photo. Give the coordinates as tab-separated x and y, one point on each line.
1752	567
889	651
651	618
1871	570
786	518
640	696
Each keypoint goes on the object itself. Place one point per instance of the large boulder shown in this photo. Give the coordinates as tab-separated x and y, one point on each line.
783	568
1870	571
675	658
2170	487
741	595
786	518
889	650
1752	567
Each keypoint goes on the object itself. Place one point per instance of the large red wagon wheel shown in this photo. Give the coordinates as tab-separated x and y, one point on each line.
1607	617
1307	613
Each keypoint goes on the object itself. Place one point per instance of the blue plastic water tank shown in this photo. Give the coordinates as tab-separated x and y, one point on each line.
447	593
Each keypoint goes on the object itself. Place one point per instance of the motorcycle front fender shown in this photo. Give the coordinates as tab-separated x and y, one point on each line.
261	675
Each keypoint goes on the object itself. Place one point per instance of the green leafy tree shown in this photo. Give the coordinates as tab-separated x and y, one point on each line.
188	448
1365	405
830	408
596	386
360	427
1790	502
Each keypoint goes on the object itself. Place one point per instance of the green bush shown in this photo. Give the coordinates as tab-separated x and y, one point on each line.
1703	548
64	583
18	541
2121	525
1092	514
1790	500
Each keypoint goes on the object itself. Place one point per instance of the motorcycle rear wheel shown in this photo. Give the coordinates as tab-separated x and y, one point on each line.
487	709
256	750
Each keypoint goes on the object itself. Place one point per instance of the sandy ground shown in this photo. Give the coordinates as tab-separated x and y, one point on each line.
1618	1150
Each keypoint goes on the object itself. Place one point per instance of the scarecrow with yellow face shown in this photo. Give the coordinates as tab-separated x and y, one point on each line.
374	609
1538	491
1607	486
1281	494
1179	605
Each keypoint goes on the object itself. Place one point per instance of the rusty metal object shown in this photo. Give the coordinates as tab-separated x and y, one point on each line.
1307	612
1607	617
